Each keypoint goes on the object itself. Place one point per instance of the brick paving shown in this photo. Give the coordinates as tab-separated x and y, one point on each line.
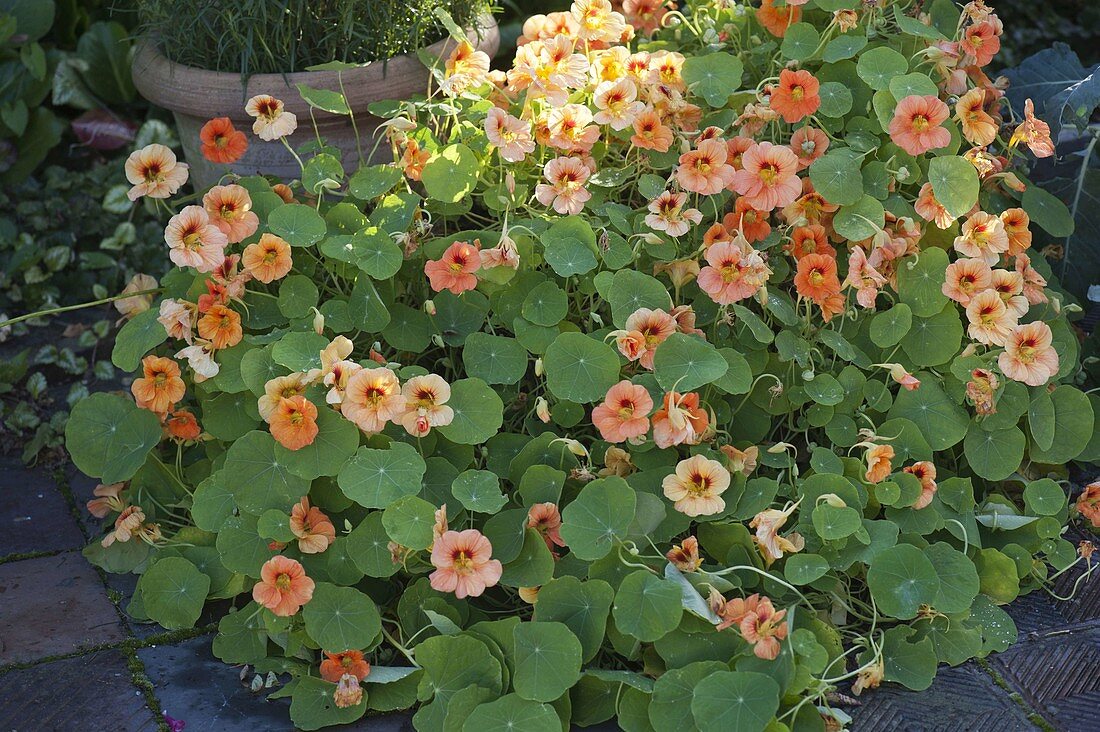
67	648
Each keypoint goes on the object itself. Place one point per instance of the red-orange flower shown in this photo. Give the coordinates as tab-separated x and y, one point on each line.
455	270
283	587
182	425
546	519
221	141
221	326
795	97
917	124
810	240
816	278
776	20
1088	503
764	627
160	387
351	662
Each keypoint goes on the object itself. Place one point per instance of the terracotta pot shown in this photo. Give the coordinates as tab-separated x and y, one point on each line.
196	95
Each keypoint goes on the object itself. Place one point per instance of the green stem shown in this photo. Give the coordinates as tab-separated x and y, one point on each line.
67	308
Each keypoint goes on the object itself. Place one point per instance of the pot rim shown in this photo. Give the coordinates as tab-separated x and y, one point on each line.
191	90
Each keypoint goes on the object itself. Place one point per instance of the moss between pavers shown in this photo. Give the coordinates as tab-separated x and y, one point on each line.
1034	717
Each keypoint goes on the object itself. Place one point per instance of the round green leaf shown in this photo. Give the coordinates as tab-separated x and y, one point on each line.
376	478
713	76
631	290
686	362
479	490
546	304
890	326
879	65
533	566
451	174
833	522
920	281
299	351
954	181
673	692
836	176
861	220
368	546
802	569
212	503
901	579
1073	426
569	246
299	224
836	99
582	606
647	607
800	41
735	700
109	437
843	47
994	454
141	334
261	477
297	294
494	359
1044	497
173	592
547	660
581	369
510	713
934	341
452	663
312	706
959	583
913	85
410	522
335	443
942	422
478	412
598	517
825	389
1048	211
341	618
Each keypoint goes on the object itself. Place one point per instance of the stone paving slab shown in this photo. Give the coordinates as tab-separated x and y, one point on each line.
62	696
53	606
34	516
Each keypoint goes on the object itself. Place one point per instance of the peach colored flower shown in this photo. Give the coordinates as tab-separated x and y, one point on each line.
221	141
846	20
194	241
426	404
900	375
565	190
650	133
413	159
464	69
1033	132
666	69
645	330
454	271
982	41
685	555
281	387
313	528
230	209
618	103
348	692
983	235
160	385
617	462
772	546
154	172
221	326
731	612
504	254
571	128
1009	284
645	15
697	486
808	144
680	271
741	461
351	662
990	320
965	278
463	564
795	96
294	422
546	519
978	127
925	472
129	524
130	306
917	124
667	214
283	587
769	178
597	21
182	425
1029	356
731	274
679	421
1033	281
930	209
878	458
863	278
870	677
1016	223
272	120
623	414
268	259
282	190
775	19
1088	503
108	499
372	399
704	170
764	628
511	136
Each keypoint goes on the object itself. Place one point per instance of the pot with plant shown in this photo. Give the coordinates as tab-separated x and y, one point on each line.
327	60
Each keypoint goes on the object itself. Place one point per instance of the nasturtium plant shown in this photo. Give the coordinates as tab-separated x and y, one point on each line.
693	367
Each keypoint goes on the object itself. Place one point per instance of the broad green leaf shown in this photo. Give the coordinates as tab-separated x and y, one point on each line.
879	65
861	220
1048	211
673	692
109	437
241	547
598	517
241	636
954	182
368	545
376	478
299	351
583	606
913	84
735	700
478	412
836	176
631	290
533	566
341	618
942	422
958	578
713	76
494	359
298	224
335	443
911	664
1074	423
843	47
890	326
173	592
683	362
647	607
313	707
451	174
833	522
802	569
547	660
546	304
141	334
479	491
569	246
452	663
920	281
836	99
825	389
510	713
212	503
901	579
580	369
1040	419
994	454
1044	497
372	181
933	341
260	476
410	522
800	41
324	99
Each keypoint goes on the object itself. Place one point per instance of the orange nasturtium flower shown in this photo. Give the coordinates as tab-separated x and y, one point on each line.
624	413
1029	356
351	662
1088	503
221	141
160	386
454	271
182	425
463	564
221	326
283	587
546	519
776	20
230	209
795	97
294	422
925	472
154	172
313	528
764	627
878	463
267	259
917	126
425	404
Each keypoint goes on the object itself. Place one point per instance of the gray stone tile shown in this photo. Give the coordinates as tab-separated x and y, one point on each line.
34	516
51	606
74	694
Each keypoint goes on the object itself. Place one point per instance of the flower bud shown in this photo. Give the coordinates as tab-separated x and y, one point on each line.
538	366
542	409
429	307
318	322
